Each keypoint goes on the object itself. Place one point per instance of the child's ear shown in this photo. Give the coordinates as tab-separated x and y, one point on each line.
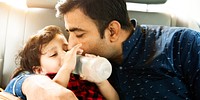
37	69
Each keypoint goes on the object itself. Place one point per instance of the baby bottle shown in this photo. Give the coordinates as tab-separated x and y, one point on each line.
94	69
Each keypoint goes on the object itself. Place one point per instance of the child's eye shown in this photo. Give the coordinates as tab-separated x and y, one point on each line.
52	55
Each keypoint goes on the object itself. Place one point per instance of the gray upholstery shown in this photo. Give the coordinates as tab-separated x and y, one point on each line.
3	29
52	3
16	25
41	3
151	17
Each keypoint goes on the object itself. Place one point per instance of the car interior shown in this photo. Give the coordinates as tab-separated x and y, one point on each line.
16	25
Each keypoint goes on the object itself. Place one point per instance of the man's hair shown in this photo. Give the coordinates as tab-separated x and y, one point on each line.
102	12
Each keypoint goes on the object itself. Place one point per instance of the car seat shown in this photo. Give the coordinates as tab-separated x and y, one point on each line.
16	25
142	11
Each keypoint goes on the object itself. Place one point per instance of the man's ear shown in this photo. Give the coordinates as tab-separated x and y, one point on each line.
114	28
37	69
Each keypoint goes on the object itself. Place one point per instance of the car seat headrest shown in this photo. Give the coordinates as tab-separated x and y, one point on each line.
50	4
147	1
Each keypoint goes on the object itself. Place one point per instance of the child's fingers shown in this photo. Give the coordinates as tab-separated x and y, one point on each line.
76	49
82	77
90	55
80	51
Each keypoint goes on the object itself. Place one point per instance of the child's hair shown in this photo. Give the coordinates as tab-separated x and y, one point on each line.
29	56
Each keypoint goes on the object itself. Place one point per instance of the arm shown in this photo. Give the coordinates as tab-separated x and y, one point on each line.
45	89
69	63
7	96
63	76
28	87
107	90
190	60
193	65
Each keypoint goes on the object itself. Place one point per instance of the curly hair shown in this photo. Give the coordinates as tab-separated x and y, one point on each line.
30	54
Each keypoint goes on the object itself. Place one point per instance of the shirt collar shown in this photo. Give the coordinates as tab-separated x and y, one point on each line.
132	40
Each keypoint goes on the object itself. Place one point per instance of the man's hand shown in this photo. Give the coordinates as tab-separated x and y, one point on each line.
7	96
39	87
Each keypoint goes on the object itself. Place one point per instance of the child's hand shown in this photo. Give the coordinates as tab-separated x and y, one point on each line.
69	60
90	55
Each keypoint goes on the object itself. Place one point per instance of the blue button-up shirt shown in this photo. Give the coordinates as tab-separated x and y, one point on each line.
159	63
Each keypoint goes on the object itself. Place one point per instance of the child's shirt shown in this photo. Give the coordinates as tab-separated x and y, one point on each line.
84	90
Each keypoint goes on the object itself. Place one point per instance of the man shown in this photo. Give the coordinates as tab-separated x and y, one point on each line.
149	62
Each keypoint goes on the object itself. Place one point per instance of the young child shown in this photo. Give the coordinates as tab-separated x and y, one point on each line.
47	53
